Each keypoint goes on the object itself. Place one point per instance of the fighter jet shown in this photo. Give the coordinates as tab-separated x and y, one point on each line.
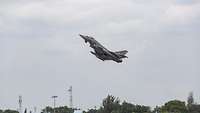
102	53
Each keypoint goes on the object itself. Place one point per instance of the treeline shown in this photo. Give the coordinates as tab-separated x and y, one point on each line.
112	104
8	111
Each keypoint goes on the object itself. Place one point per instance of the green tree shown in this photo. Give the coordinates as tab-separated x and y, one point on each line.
174	106
10	111
48	109
195	108
127	107
131	108
142	109
62	109
110	103
92	111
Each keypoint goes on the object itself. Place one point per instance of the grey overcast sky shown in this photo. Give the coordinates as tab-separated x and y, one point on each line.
42	54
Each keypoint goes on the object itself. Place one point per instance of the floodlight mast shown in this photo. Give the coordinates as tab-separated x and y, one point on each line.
54	102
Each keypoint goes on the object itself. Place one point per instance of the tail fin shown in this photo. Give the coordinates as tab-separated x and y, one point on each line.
121	54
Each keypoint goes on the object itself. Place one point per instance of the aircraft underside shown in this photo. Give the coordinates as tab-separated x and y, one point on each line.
106	57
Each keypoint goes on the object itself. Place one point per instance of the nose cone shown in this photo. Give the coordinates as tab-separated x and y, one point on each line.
84	37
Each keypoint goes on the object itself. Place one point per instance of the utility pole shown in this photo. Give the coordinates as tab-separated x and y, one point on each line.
70	97
54	102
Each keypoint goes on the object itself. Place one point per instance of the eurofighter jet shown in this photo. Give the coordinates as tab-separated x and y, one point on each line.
102	53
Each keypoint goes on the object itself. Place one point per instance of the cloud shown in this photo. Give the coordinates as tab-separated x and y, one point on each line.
181	14
40	46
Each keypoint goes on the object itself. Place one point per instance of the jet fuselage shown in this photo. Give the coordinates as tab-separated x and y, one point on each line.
102	53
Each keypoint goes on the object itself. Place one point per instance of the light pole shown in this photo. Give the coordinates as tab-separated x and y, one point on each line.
54	102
